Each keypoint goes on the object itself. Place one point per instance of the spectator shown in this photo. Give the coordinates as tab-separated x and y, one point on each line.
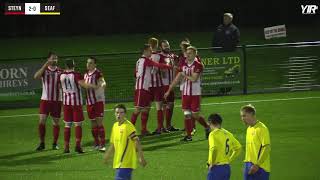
227	35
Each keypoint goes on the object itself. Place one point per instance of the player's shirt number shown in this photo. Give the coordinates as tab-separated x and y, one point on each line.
67	83
227	147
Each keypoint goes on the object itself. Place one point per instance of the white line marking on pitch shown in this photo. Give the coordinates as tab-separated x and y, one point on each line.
205	104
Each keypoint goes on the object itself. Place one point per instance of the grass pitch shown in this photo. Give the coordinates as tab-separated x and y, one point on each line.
292	118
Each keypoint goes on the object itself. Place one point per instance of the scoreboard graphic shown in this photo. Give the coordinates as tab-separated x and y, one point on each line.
32	8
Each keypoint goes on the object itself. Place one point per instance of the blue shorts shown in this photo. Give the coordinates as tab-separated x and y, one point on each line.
261	174
123	174
219	172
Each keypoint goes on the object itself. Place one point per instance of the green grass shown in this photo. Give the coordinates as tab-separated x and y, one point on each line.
293	126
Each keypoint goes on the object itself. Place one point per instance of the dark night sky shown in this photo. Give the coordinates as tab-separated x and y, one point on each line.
105	17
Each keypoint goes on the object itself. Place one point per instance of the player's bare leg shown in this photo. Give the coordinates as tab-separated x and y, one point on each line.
42	131
101	134
78	129
56	131
95	133
201	120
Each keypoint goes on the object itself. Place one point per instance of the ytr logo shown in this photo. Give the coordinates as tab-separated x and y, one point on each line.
309	9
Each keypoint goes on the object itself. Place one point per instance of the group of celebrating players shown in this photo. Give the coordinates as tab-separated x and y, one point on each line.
157	73
64	87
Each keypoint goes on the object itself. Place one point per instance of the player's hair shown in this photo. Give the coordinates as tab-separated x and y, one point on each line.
121	106
153	42
94	59
163	41
249	109
185	45
215	119
194	49
69	63
186	40
50	53
145	47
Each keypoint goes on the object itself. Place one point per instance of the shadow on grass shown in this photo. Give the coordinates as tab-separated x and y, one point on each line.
46	159
177	143
50	170
152	137
159	139
19	154
15	155
91	143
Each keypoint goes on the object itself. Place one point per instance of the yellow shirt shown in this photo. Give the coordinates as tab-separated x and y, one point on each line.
257	137
221	145
125	155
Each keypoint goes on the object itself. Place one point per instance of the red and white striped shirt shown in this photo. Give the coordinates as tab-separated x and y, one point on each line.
190	88
143	72
94	95
50	87
167	74
156	78
182	60
71	88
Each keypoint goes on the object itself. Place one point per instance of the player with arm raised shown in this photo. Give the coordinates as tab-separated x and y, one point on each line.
71	83
50	103
185	43
190	71
142	97
168	75
156	85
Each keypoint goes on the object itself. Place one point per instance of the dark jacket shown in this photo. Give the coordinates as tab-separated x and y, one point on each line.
226	36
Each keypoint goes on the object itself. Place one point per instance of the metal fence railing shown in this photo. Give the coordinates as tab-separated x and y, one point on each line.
249	69
283	67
